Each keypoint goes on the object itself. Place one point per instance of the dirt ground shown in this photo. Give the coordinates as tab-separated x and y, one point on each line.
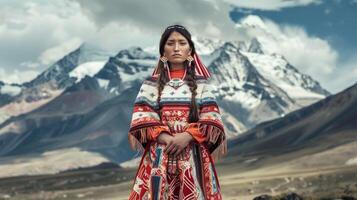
317	183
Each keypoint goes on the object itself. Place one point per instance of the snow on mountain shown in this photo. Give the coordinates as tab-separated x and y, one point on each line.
59	71
95	89
135	56
134	53
86	69
260	81
205	45
54	80
319	136
261	86
240	75
126	67
130	77
264	53
103	83
255	47
277	69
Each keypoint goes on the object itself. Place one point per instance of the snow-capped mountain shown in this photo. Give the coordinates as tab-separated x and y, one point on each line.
238	82
101	130
279	71
256	86
125	68
206	46
255	47
96	91
59	72
52	82
321	135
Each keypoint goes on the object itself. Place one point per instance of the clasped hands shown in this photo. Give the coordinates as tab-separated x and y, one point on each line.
175	144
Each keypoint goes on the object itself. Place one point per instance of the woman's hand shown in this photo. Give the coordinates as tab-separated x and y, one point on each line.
177	143
164	138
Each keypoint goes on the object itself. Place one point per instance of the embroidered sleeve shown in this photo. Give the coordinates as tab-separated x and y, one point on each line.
210	123
145	123
155	131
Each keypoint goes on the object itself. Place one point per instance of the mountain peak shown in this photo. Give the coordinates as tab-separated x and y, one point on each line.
134	52
205	46
229	46
255	46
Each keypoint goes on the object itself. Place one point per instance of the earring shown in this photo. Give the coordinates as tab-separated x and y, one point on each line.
164	60
190	59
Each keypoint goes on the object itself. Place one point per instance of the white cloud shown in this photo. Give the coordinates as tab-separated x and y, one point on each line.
114	36
55	53
205	18
271	4
29	64
30	30
345	76
34	34
17	76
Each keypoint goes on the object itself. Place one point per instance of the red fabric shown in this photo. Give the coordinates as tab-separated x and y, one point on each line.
193	129
177	73
163	176
157	130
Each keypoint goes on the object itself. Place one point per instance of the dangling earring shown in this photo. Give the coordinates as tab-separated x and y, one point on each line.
190	59
164	60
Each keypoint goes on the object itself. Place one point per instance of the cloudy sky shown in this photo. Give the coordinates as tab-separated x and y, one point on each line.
316	36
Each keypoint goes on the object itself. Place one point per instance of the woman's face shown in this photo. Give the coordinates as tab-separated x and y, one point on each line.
177	48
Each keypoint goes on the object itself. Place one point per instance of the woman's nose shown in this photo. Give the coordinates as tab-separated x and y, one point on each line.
176	47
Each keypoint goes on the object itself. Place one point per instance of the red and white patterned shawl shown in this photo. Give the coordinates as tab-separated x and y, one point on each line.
146	116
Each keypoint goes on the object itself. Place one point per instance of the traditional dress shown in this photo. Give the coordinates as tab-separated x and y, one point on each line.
192	174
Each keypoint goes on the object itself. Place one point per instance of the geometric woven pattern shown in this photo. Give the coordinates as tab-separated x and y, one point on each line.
192	174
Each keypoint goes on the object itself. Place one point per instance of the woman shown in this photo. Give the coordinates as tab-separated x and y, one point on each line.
177	123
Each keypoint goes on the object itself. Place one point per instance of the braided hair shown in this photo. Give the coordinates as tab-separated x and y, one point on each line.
190	77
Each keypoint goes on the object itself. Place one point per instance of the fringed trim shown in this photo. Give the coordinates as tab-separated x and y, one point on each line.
138	137
213	135
220	151
211	132
144	135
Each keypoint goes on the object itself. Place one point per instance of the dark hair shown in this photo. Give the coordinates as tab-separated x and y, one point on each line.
190	75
